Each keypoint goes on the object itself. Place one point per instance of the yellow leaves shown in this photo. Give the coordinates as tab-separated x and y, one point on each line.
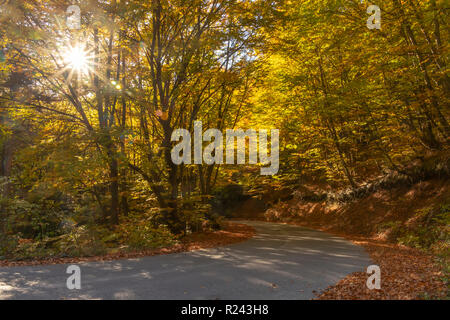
291	146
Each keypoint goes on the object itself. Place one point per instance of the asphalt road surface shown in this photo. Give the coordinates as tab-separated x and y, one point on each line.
280	262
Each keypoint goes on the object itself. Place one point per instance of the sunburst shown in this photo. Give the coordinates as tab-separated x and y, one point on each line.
77	61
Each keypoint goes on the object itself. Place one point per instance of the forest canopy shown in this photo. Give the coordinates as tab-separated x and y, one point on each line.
88	107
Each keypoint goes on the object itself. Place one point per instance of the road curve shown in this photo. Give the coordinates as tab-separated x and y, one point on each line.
280	262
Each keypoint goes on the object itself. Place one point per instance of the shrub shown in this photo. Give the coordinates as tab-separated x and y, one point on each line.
431	228
32	218
79	241
139	232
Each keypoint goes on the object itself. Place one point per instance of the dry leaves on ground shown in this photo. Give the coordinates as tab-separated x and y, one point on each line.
405	274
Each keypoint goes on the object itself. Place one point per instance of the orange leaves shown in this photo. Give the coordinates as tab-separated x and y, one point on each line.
406	274
163	115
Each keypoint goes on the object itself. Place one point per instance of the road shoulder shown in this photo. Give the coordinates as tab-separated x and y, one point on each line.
231	233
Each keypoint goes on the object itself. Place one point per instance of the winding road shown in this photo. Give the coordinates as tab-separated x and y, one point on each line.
280	262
